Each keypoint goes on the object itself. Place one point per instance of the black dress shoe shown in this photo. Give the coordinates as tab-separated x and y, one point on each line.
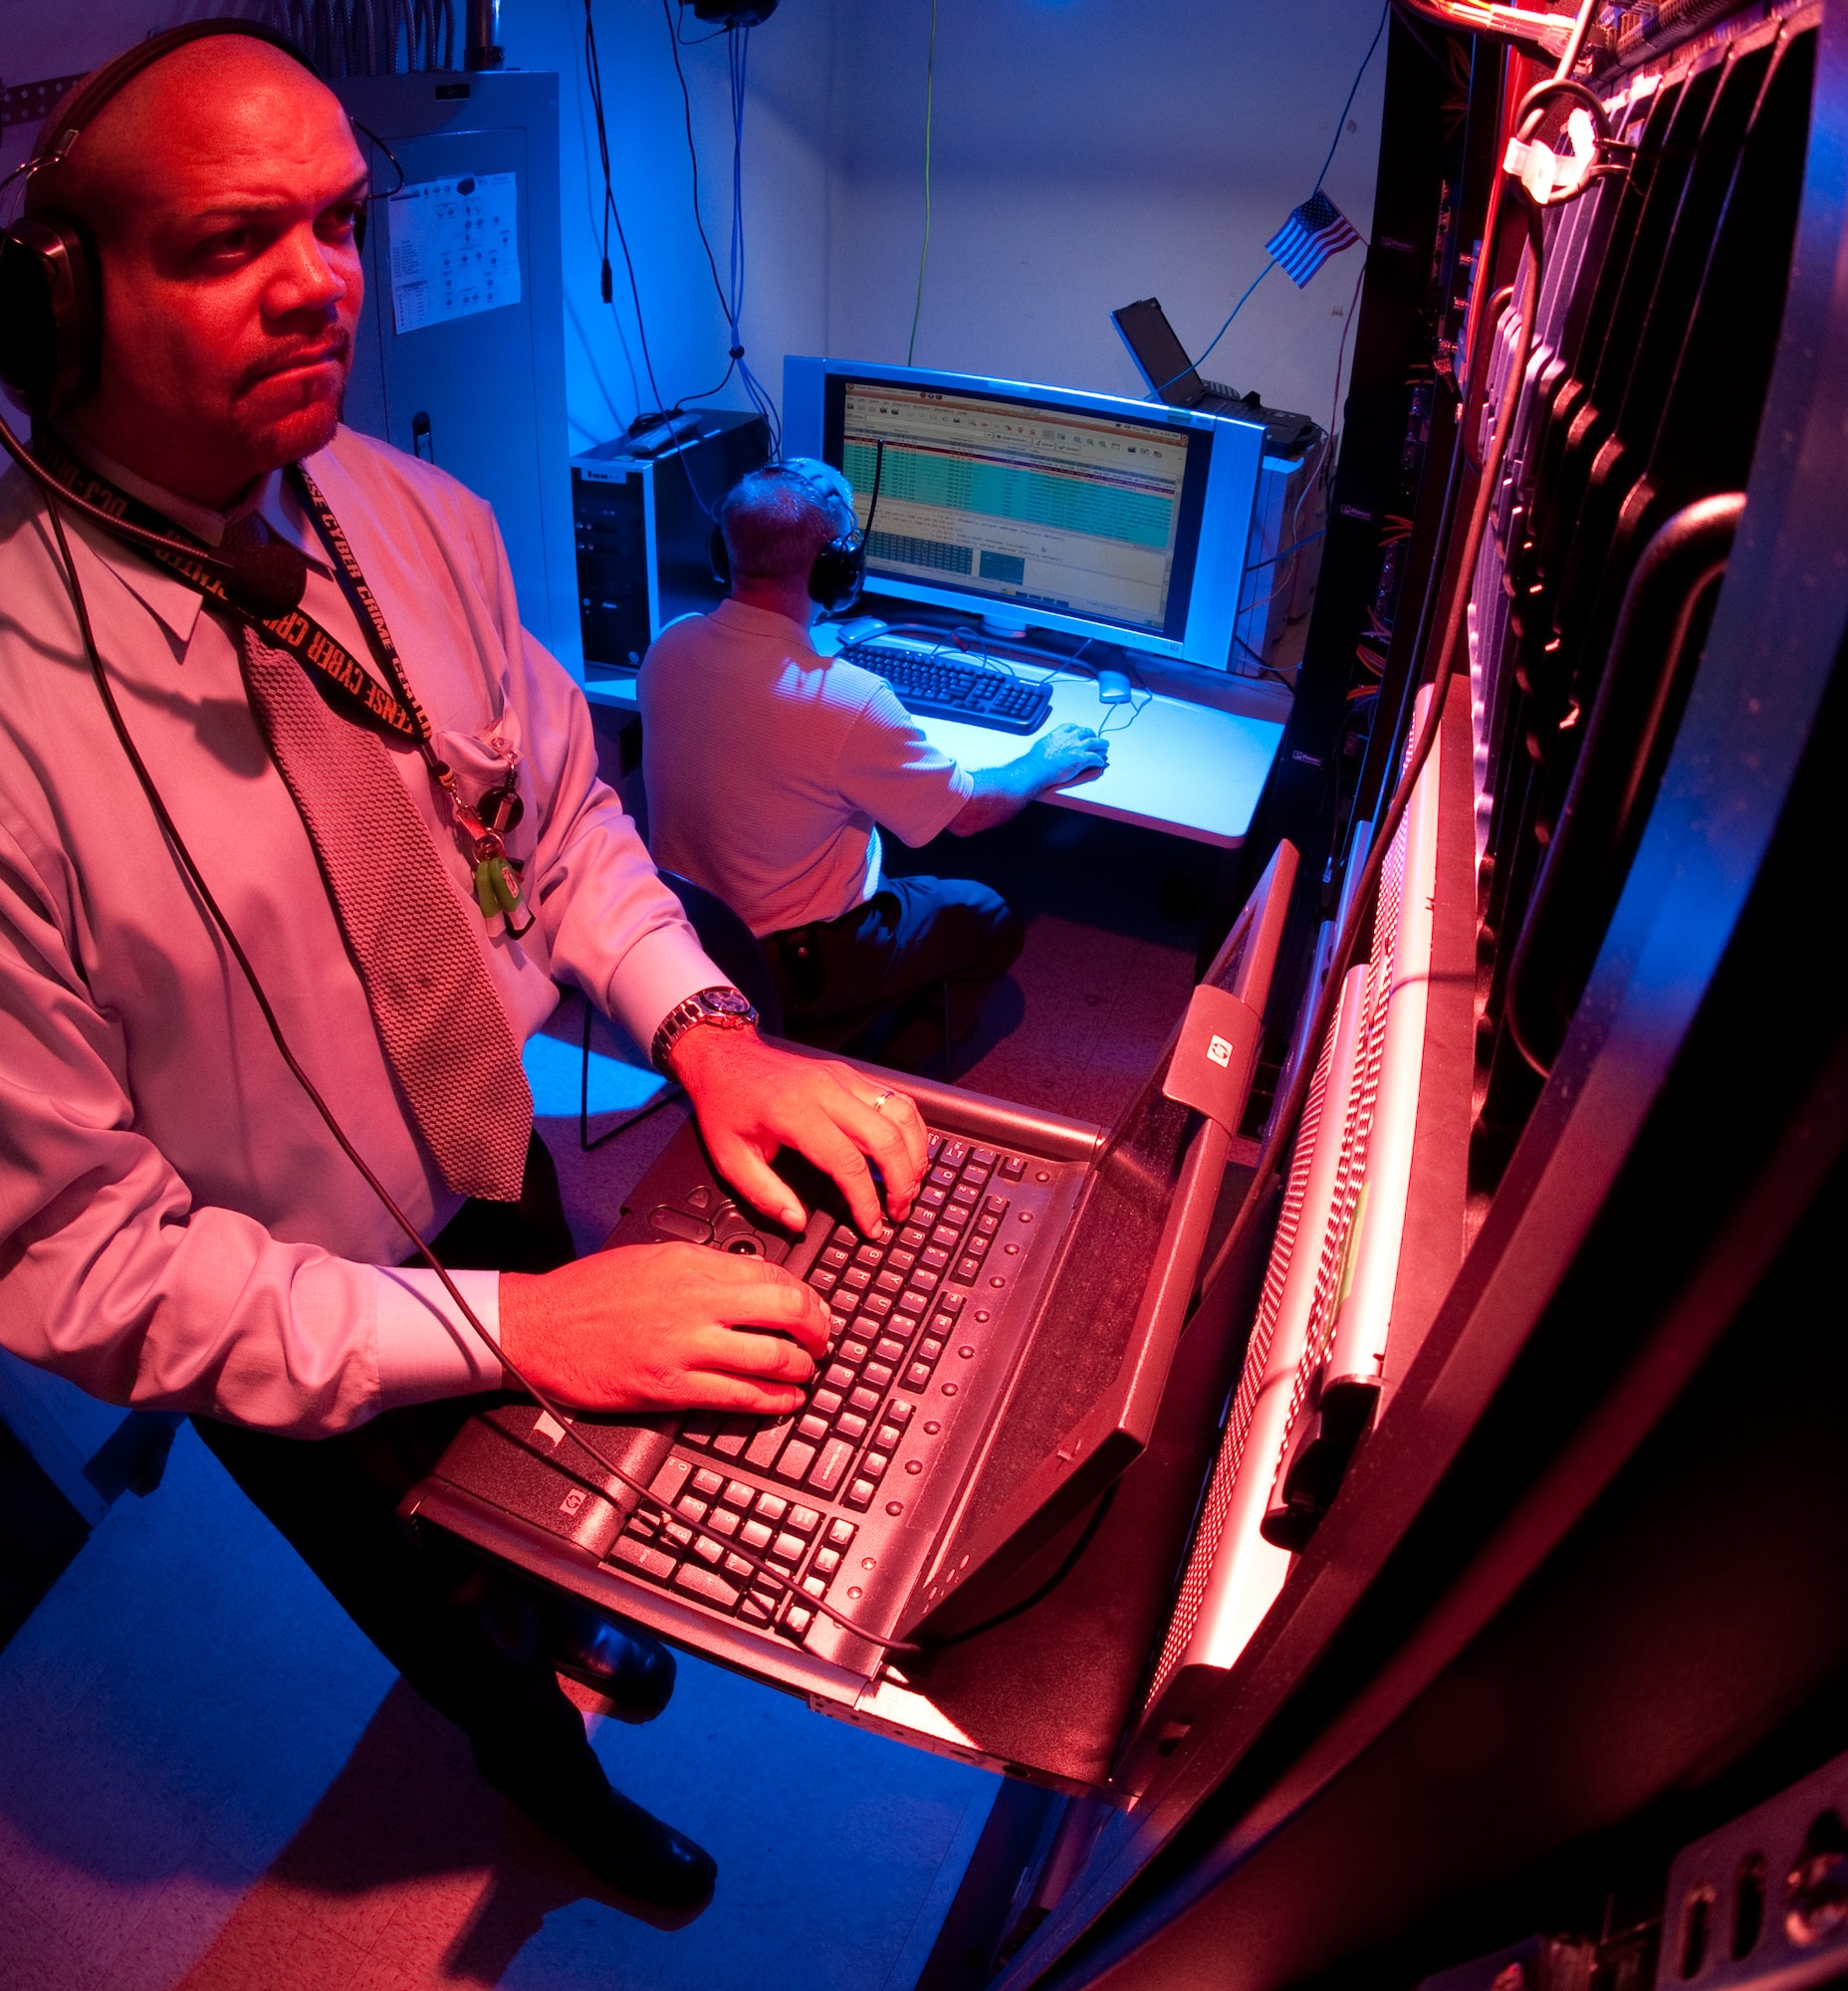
633	1671
633	1852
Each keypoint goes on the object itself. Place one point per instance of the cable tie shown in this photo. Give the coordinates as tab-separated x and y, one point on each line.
737	351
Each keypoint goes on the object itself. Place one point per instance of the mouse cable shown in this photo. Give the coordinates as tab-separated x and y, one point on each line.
555	1411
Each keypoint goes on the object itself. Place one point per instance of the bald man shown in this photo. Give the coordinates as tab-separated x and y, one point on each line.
770	771
180	1230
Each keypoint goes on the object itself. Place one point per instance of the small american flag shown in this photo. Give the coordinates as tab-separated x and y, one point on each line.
1314	231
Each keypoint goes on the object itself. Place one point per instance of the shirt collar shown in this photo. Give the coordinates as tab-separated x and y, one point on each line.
173	602
741	616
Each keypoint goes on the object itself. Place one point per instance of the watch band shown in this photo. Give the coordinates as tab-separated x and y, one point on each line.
723	1007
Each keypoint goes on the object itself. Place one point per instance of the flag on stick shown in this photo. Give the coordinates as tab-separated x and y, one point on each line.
1314	231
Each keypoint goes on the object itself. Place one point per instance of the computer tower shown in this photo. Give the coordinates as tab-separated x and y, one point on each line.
643	525
460	352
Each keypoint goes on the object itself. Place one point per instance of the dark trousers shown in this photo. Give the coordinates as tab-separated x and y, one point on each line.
465	1632
915	942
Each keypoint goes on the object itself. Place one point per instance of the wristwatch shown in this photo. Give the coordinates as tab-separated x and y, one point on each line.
724	1008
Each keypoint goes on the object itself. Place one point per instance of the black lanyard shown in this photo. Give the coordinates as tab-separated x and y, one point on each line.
353	688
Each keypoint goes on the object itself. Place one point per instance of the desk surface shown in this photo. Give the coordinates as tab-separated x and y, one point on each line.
1175	765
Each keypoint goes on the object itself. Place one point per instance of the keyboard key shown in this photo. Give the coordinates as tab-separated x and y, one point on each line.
949	1235
877	1375
638	1555
936	1257
903	1260
722	1521
976	1243
851	1426
838	1376
917	1377
994	1206
690	1509
930	1197
944	1177
967	1195
816	1585
707	1585
826	1561
986	1225
928	1350
903	1325
836	1455
827	1402
762	1449
822	1280
898	1412
954	1154
773	1507
736	1565
707	1549
734	1435
740	1493
678	1533
804	1520
844	1235
867	1255
968	1270
757	1613
889	1281
860	1493
837	1259
855	1277
873	1465
797	1457
875	1306
788	1548
951	1303
756	1536
935	1146
853	1351
984	1157
813	1428
888	1436
840	1534
706	1484
797	1617
911	1237
1011	1168
889	1350
864	1399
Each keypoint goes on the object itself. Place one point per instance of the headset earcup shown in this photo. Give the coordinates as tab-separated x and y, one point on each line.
720	557
840	572
49	327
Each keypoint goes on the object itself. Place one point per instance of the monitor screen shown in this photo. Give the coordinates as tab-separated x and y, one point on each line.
1043	505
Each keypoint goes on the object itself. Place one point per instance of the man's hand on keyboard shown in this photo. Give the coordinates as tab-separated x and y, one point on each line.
752	1100
651	1327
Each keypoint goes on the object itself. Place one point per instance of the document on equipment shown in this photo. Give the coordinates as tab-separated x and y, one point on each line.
455	249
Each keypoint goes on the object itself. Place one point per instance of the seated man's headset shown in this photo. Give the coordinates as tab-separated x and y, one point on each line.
51	313
51	342
840	570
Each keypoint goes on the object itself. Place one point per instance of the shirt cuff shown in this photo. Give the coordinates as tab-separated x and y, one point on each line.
426	1349
662	969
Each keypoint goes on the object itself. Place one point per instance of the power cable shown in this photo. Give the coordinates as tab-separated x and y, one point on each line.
594	74
929	91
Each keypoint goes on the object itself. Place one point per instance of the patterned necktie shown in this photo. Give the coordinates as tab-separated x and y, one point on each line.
445	1034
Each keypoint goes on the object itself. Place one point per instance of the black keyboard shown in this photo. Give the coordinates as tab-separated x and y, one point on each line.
895	1303
937	688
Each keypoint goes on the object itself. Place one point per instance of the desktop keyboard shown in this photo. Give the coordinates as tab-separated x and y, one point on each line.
936	688
896	1304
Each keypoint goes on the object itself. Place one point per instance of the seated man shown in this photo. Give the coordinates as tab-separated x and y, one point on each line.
770	771
186	789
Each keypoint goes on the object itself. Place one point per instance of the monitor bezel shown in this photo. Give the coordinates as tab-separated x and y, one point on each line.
814	398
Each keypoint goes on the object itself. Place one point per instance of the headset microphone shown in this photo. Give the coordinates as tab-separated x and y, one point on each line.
266	580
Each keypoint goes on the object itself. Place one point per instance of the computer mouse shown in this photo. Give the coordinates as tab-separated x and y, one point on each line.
862	630
1112	685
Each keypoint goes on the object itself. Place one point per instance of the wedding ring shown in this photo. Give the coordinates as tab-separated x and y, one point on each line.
882	1098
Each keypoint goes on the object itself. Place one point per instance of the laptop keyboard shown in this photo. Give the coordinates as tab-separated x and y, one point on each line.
789	1490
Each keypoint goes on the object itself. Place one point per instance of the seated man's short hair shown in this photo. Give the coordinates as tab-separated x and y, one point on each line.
775	519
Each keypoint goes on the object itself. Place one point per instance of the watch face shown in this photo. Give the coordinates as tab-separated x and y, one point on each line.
728	1001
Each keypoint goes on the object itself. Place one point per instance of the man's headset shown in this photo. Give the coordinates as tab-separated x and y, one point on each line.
51	311
840	570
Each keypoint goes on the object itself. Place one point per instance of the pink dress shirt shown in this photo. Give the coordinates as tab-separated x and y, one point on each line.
178	1229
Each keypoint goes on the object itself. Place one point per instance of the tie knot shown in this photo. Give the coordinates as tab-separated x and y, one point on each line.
243	534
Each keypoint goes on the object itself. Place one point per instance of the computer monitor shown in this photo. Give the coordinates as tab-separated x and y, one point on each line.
1123	521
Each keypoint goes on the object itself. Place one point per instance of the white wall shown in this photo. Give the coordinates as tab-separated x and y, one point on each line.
1085	152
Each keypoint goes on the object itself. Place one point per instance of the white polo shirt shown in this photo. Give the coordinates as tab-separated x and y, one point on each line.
770	769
